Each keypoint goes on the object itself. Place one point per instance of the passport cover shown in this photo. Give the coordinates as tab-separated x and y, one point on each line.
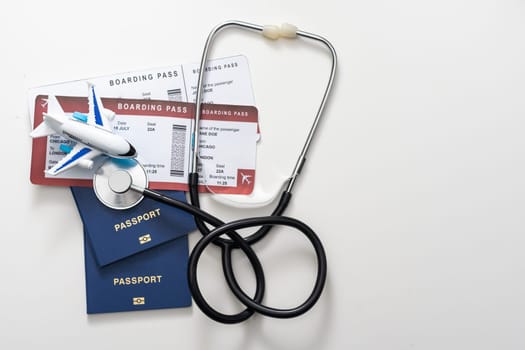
153	279
117	234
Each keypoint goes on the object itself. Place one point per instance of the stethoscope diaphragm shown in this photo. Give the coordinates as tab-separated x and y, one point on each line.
113	180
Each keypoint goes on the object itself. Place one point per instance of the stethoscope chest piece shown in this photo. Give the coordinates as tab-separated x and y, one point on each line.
113	181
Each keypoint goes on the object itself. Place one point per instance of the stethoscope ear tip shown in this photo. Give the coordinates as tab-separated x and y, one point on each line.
274	32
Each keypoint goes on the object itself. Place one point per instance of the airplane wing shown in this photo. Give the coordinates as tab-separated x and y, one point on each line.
79	154
96	115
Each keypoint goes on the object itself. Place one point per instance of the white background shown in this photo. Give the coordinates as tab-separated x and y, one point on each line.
415	184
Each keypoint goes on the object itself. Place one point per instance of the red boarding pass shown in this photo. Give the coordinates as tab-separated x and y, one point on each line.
161	133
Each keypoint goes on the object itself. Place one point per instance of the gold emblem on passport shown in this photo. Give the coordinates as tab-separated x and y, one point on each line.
145	239
139	301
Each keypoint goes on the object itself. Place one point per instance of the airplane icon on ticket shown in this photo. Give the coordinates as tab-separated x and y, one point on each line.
245	179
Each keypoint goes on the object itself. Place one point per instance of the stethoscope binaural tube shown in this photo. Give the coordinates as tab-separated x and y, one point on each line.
272	32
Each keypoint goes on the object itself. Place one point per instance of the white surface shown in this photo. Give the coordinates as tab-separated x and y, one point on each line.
415	185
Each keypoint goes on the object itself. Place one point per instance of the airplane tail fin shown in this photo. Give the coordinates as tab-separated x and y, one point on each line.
53	108
42	130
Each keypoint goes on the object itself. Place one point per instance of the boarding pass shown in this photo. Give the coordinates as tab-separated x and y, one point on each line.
161	133
227	81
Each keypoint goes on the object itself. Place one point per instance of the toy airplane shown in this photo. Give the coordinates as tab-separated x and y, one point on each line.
92	133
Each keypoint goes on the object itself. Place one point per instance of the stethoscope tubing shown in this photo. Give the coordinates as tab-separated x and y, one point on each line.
229	229
254	304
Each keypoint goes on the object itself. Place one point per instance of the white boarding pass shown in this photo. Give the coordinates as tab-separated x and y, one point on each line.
227	81
227	148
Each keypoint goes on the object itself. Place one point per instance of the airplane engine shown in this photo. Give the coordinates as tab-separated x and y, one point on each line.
109	114
86	163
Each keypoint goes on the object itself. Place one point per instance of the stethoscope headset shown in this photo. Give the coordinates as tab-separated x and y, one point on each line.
121	187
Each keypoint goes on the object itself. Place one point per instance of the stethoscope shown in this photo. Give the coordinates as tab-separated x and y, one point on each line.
121	185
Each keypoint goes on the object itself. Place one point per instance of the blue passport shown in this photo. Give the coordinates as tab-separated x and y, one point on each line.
117	234
153	279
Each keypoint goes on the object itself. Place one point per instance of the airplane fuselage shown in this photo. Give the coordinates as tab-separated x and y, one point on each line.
92	136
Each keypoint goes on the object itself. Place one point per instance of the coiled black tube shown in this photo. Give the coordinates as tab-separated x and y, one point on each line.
236	241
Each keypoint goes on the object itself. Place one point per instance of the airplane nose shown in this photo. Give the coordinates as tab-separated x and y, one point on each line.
132	152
